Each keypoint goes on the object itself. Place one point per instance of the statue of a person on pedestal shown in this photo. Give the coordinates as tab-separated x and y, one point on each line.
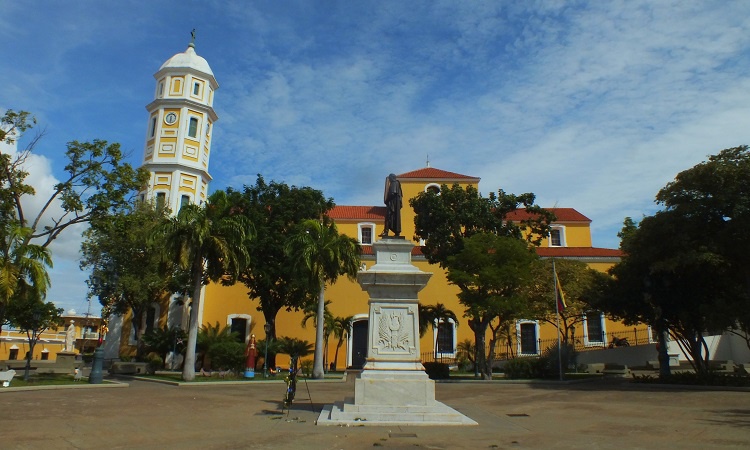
393	199
70	337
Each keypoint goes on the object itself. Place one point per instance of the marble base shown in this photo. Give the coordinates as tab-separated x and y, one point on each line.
405	398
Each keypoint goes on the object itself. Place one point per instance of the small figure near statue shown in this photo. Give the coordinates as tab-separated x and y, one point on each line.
393	199
70	338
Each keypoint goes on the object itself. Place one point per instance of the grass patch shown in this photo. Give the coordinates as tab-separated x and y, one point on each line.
694	379
44	379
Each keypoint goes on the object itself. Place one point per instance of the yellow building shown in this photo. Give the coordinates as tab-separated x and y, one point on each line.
14	344
177	151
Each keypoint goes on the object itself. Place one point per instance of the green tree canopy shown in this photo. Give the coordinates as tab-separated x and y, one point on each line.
493	275
276	209
321	255
127	273
211	242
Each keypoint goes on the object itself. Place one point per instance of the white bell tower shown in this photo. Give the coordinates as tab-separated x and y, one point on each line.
178	137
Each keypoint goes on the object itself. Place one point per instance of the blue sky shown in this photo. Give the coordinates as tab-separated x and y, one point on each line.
590	105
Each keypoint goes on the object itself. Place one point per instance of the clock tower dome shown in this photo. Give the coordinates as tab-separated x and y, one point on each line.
178	137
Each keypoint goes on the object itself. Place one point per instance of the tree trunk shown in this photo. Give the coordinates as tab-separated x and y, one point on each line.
188	368
32	344
320	323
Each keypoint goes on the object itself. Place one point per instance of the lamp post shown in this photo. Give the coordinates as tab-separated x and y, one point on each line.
267	329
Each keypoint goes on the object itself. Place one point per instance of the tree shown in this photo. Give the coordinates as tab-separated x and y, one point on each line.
31	314
579	284
446	221
209	241
97	182
276	209
311	312
341	328
434	315
128	273
23	266
166	340
492	273
322	255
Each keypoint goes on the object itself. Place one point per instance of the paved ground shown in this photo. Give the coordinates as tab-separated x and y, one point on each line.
589	415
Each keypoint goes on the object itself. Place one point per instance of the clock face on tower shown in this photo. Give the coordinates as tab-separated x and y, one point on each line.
170	118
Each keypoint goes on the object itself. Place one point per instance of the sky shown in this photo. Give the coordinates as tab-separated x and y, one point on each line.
590	105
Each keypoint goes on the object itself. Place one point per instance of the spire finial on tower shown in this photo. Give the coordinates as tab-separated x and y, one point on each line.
192	39
428	160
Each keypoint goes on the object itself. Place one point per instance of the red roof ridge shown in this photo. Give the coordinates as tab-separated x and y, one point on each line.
433	173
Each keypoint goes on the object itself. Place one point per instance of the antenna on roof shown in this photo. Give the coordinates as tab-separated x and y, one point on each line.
428	160
192	39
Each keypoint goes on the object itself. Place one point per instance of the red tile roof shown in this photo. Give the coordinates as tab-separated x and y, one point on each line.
562	214
578	252
433	173
357	212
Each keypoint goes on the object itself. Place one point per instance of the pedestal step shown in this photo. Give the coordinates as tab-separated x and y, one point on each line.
344	413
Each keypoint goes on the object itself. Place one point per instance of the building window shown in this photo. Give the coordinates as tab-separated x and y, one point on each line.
45	355
528	338
152	130
161	89
557	237
161	200
196	88
593	323
13	355
184	200
446	338
432	187
239	324
366	233
193	127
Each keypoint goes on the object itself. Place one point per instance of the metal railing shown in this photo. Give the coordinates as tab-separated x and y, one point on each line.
508	350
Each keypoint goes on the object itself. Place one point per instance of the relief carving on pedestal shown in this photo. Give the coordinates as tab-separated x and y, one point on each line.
394	331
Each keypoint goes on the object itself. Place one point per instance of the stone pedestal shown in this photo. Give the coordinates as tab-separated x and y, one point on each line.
393	388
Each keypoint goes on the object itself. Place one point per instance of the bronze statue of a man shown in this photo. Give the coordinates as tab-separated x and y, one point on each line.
393	202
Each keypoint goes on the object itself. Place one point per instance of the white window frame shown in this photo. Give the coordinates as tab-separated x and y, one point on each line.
518	337
435	343
197	126
432	185
359	232
586	340
563	239
249	319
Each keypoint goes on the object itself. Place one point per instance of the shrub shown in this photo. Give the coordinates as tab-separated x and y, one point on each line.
307	367
521	368
228	355
437	370
154	361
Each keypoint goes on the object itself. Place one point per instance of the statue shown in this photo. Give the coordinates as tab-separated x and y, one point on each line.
392	198
250	354
70	336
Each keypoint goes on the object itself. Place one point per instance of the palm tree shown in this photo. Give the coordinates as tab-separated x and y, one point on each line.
322	255
435	315
311	312
209	335
208	240
341	328
22	265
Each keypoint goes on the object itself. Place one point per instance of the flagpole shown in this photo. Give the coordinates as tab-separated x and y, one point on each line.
557	311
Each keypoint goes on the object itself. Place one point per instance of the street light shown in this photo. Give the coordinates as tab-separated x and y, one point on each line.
267	328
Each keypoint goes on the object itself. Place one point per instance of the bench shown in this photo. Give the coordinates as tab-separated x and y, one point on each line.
7	376
616	370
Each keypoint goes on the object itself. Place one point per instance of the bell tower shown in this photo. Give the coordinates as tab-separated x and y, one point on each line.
178	137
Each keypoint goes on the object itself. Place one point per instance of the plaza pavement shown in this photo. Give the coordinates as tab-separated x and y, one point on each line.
594	415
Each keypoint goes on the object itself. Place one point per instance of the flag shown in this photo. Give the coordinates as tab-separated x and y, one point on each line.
559	295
